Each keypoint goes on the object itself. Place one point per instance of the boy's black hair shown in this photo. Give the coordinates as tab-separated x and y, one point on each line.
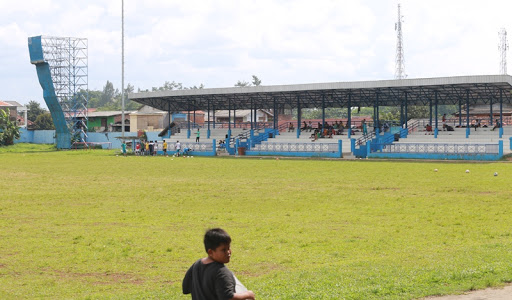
214	237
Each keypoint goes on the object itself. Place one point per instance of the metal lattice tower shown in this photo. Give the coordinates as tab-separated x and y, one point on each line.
399	59
68	61
503	47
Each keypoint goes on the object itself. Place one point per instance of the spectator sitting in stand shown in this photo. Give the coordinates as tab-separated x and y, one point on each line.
496	125
290	127
428	129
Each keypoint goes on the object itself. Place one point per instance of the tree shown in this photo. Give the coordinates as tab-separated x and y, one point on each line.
9	131
255	80
44	122
108	94
34	110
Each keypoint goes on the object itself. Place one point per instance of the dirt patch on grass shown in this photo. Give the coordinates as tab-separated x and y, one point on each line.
490	293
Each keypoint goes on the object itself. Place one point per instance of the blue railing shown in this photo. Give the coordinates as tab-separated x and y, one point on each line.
307	149
439	151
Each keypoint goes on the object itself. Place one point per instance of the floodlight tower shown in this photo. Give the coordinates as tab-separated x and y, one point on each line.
399	59
503	47
62	69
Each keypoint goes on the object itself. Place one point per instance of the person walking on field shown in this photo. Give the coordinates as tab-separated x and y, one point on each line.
164	148
178	148
198	134
209	278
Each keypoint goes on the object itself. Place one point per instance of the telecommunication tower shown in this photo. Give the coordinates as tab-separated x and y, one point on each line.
399	59
68	61
503	47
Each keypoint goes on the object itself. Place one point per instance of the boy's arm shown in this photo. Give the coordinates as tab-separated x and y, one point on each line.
243	296
187	282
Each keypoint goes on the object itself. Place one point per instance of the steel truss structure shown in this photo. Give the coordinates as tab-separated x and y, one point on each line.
423	92
68	61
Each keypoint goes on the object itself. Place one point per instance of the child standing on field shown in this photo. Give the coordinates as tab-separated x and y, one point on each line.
209	278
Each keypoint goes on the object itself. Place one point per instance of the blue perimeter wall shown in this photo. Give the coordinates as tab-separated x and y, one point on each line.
48	137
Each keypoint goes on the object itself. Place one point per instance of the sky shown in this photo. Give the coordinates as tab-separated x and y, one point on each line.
217	43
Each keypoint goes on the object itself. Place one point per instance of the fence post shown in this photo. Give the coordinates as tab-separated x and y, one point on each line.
208	134
368	148
214	147
352	145
340	148
500	145
511	143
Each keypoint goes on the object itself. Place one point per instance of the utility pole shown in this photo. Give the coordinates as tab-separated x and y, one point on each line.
399	59
503	47
122	67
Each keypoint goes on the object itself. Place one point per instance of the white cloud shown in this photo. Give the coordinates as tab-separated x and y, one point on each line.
283	42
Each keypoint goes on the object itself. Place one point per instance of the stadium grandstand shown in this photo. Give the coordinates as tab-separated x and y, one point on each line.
404	138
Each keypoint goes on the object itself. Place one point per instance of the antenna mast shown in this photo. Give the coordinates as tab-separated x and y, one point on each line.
503	47
399	61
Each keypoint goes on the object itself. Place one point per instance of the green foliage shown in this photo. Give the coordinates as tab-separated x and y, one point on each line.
33	110
255	82
44	122
9	131
87	224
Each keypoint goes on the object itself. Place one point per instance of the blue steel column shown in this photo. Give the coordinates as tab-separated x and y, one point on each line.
229	118
467	114
491	116
275	113
194	114
430	111
501	113
349	121
213	108
405	113
298	116
460	113
323	113
234	116
436	130
377	120
252	120
188	122
169	115
208	120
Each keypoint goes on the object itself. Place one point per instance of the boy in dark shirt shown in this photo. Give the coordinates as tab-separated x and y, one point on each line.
208	278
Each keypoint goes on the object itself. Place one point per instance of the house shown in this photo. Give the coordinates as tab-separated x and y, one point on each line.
108	121
483	112
11	109
149	119
242	116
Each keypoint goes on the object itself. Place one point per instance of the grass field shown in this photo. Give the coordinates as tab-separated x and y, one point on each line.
92	225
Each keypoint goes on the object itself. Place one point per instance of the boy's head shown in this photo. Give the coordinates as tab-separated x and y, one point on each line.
217	244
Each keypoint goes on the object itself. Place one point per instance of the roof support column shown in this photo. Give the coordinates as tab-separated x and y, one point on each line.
436	130
376	108
252	120
491	116
234	116
501	113
467	114
195	124
460	113
275	113
430	111
208	120
188	122
229	118
298	116
405	112
349	113
323	113
213	108
169	116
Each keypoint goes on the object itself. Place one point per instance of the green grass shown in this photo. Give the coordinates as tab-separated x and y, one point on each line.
92	225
